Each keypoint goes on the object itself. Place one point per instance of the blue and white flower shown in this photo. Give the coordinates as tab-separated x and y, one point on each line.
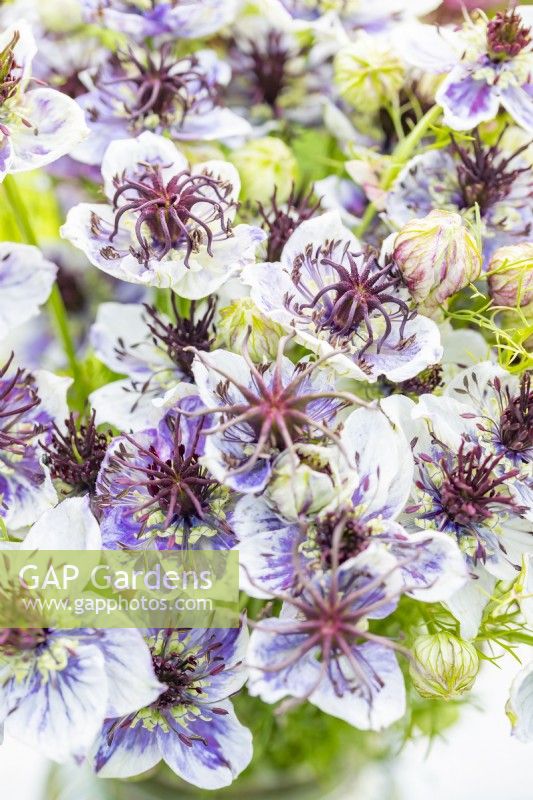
191	726
321	647
163	93
487	63
341	302
165	224
152	490
260	412
58	686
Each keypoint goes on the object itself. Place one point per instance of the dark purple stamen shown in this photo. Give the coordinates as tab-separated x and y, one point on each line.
17	397
163	84
76	454
362	290
470	491
266	65
277	411
13	640
506	35
179	486
179	335
281	222
516	421
484	176
183	674
355	536
181	211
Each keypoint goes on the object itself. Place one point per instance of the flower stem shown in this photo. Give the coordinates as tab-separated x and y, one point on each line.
55	305
403	152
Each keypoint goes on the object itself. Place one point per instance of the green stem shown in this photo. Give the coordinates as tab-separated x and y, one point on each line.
402	153
55	305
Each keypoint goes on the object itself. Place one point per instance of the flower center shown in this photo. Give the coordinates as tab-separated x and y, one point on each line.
182	211
354	539
13	640
362	293
75	456
178	486
506	35
280	223
485	177
516	421
266	66
163	85
275	411
183	333
184	673
470	491
17	397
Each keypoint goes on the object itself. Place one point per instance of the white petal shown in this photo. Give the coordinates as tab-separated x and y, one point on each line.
26	279
69	526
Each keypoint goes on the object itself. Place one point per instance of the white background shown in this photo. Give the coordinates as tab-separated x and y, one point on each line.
478	761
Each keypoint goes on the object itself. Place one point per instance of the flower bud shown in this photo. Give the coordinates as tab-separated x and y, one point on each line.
242	318
443	666
265	165
321	478
368	73
511	276
437	257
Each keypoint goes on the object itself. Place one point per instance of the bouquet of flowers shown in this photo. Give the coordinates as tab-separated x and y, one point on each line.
266	286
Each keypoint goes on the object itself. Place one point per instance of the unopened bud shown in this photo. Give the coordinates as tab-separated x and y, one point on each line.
437	257
368	73
443	666
511	276
265	166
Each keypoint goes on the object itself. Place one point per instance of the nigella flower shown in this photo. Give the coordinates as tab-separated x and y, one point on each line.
153	350
459	177
140	90
275	76
488	406
165	224
322	647
275	552
192	725
487	63
153	491
463	487
183	19
262	411
37	126
28	405
26	279
343	303
58	686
